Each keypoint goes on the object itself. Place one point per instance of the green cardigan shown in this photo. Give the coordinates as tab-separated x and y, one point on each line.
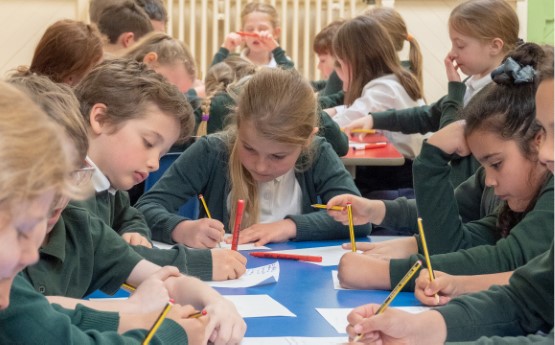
31	319
279	55
479	249
203	169
514	313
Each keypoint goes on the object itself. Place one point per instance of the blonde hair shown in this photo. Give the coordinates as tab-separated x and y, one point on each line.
486	20
58	102
282	107
395	26
35	158
262	8
168	49
219	78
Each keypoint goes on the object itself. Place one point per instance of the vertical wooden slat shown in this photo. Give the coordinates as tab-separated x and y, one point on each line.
318	27
295	40
284	26
169	7
181	23
306	46
226	19
204	26
216	15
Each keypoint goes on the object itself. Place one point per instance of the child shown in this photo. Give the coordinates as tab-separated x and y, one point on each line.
36	169
323	47
261	21
269	158
154	9
67	51
498	312
482	32
124	24
374	80
500	130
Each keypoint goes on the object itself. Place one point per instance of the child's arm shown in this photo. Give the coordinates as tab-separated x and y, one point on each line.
127	219
359	271
448	286
281	58
333	134
232	40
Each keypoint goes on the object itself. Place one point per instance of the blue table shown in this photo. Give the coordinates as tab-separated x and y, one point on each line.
301	288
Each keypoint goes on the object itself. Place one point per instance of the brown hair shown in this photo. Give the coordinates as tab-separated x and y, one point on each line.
154	8
35	158
168	49
486	20
68	47
395	26
124	17
262	8
126	87
323	41
282	107
366	46
58	102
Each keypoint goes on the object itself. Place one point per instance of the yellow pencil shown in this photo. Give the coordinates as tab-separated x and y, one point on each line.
334	208
426	254
128	287
395	292
360	130
201	197
197	314
351	227
157	323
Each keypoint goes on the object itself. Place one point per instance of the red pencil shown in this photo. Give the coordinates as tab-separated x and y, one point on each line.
312	258
237	226
369	146
248	34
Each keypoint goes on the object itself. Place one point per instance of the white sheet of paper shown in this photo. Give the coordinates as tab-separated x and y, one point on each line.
337	317
262	275
258	306
294	341
330	255
336	284
246	246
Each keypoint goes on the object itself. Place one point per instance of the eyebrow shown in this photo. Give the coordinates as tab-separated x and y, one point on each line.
488	157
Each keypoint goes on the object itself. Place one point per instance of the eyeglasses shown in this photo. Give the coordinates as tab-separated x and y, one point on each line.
82	176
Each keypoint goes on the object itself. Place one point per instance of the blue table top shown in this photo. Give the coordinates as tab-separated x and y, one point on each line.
303	287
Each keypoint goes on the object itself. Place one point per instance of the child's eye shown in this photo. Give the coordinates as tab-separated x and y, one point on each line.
277	157
496	165
148	144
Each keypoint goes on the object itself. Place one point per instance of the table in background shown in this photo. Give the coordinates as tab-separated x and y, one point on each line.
384	156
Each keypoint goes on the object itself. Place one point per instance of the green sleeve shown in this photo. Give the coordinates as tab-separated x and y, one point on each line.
400	214
220	56
330	130
523	307
318	85
333	86
190	261
220	108
127	218
537	339
332	100
281	59
326	179
30	319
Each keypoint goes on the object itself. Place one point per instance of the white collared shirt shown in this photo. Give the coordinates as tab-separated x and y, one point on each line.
99	180
271	64
280	197
473	86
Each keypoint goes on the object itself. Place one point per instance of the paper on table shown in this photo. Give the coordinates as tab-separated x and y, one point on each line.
337	317
383	238
330	255
267	274
335	279
246	246
294	341
258	306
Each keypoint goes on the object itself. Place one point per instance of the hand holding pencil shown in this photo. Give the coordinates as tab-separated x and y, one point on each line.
364	210
439	291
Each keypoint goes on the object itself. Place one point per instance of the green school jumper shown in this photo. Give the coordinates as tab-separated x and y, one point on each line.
31	319
479	251
279	55
203	169
83	255
510	314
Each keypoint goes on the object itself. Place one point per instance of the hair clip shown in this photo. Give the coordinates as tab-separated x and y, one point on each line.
205	117
519	74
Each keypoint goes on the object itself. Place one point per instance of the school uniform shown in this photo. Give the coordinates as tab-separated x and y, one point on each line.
113	206
278	59
220	111
83	255
479	249
203	169
510	314
31	319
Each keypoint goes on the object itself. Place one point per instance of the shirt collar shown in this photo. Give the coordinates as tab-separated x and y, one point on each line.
56	245
99	180
477	84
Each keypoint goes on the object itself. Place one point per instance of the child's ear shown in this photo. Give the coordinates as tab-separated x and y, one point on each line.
150	58
126	39
277	32
97	118
496	46
311	137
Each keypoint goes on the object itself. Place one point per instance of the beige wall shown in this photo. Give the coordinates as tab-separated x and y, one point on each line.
24	21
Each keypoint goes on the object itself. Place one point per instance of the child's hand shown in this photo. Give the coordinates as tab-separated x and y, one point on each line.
261	234
364	210
232	41
227	264
152	294
226	326
359	271
452	68
194	327
450	139
267	40
366	122
202	233
444	285
394	249
136	239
